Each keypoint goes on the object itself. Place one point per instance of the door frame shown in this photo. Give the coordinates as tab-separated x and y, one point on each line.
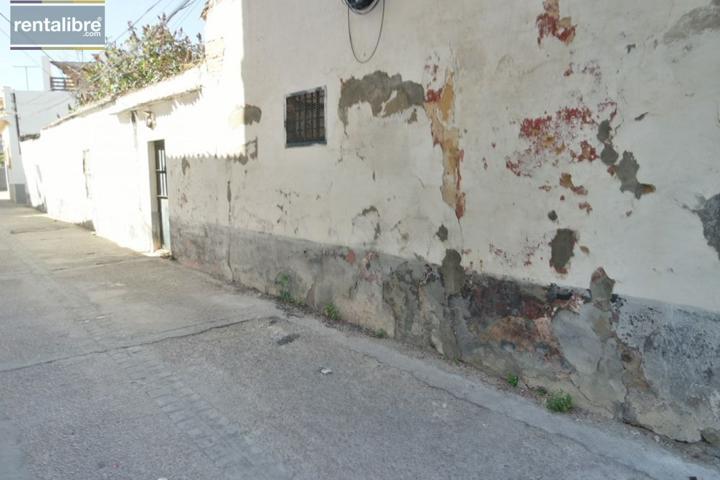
158	192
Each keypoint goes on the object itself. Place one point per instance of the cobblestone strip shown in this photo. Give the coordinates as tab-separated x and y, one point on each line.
230	449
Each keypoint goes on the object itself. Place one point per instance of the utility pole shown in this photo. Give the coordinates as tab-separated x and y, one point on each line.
27	77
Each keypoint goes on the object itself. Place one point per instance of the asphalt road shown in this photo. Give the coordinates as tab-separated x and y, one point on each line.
114	365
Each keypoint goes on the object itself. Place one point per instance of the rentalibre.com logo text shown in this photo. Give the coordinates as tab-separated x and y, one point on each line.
90	28
57	24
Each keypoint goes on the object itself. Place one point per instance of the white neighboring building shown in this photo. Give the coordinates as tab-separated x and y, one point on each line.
22	115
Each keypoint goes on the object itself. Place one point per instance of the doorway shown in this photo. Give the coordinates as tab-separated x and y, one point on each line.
161	191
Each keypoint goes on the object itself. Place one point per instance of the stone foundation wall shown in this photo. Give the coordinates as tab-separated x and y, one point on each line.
643	362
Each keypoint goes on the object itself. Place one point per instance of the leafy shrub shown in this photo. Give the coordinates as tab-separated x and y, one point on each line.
146	57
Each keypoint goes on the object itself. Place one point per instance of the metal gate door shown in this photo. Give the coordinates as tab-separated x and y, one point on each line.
162	194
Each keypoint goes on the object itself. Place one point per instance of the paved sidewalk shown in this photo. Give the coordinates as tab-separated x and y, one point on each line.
118	366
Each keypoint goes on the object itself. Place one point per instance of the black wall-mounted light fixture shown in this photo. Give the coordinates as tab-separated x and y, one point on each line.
361	6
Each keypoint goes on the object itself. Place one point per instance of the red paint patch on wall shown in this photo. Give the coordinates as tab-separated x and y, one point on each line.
550	137
586	206
551	24
433	95
587	153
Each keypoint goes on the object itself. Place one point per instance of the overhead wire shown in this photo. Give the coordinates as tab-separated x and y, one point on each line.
134	23
182	6
182	19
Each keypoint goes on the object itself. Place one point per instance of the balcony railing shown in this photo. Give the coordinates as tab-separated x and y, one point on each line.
62	84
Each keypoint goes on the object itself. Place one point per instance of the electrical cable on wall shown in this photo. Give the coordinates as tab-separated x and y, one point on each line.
363	7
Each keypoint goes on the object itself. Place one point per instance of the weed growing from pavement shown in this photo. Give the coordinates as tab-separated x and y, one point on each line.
513	380
283	283
560	402
381	333
331	312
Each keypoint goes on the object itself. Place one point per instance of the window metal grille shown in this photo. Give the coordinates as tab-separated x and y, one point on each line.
305	118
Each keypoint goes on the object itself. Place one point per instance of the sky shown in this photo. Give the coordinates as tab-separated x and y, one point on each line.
117	12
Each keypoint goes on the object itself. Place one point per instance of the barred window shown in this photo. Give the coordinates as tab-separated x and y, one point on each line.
305	118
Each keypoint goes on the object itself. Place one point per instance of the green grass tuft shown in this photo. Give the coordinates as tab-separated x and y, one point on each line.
331	312
283	284
560	402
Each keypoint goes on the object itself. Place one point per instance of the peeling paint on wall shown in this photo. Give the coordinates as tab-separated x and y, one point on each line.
556	138
251	114
452	272
709	215
695	22
442	233
413	117
245	115
551	24
366	224
440	109
369	210
386	95
550	137
586	206
250	153
587	152
627	171
566	181
563	246
628	167
609	155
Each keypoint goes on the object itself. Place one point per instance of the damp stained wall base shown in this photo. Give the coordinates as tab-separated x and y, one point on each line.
647	363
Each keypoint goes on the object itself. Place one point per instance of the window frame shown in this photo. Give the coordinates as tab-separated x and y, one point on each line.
324	118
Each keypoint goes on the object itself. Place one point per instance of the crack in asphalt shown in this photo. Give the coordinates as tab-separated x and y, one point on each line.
135	345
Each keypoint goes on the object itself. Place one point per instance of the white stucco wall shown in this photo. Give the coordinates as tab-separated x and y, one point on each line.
27	113
95	165
625	62
622	54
